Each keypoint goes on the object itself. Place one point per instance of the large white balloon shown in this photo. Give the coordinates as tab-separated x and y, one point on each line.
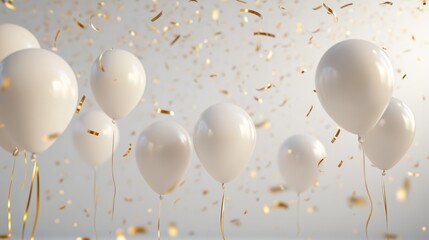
388	141
6	142
93	149
40	100
354	83
224	139
163	154
15	38
298	158
118	80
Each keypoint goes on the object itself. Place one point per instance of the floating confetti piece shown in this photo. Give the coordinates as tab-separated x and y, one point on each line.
278	204
390	236
336	136
213	75
312	209
56	38
264	34
92	132
309	111
265	87
79	24
236	222
263	124
346	5
266	209
402	192
63	207
15	152
9	4
259	100
134	230
5	84
424	2
403	77
83	238
156	17
317	7
413	174
100	61
164	111
50	137
356	201
79	106
277	189
130	146
172	230
387	3
330	11
245	10
175	39
92	24
320	162
340	164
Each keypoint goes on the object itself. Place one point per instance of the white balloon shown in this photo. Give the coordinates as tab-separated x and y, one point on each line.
388	141
354	83
224	139
95	150
298	158
119	88
41	99
6	142
163	155
15	38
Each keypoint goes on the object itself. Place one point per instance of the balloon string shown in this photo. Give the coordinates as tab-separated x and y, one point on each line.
9	215
222	209
25	169
383	189
367	192
94	220
24	219
113	173
298	227
159	216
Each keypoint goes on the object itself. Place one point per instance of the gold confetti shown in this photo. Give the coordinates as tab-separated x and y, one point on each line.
215	14
83	238
224	92
340	164
92	132
424	2
134	230
309	111
5	84
320	162
330	11
259	100
175	39
63	207
15	152
120	234
356	201
278	204
312	209
130	146
277	189
79	24
403	77
156	17
172	230
213	75
265	87
402	192
100	61
50	137
266	209
303	70
336	136
317	8
387	3
245	10
92	24
264	34
263	124
9	4
56	38
346	5
390	236
164	111
413	174
235	222
79	106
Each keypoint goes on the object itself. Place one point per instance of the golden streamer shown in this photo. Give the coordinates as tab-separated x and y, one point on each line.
159	216
113	173
222	209
25	169
24	219
94	220
298	227
383	191
367	189
9	215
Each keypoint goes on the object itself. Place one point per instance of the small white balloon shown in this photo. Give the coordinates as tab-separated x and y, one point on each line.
15	38
94	149
224	139
354	83
163	155
388	141
297	160
40	99
118	81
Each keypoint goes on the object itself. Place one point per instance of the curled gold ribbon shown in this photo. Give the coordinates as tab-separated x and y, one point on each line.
24	219
222	208
113	173
95	204
159	216
25	169
383	190
366	188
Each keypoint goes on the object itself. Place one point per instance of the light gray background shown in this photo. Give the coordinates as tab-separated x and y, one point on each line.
178	79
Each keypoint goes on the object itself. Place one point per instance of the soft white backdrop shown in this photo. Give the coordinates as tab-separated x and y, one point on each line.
216	38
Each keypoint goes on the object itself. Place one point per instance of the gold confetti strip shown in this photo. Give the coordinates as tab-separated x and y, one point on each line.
387	3
50	137
266	87
356	201
5	84
312	209
340	164
330	11
264	34
15	152
79	107
92	132
156	17
278	204
172	230
213	75
241	1
100	61
164	111
403	77
391	236
9	4
413	174
259	100
92	24
336	136
402	192
245	10
235	222
175	39
317	7
130	146
134	230
346	5
224	92
56	38
309	111
83	238
263	124
266	209
320	162
63	207
277	189
79	24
